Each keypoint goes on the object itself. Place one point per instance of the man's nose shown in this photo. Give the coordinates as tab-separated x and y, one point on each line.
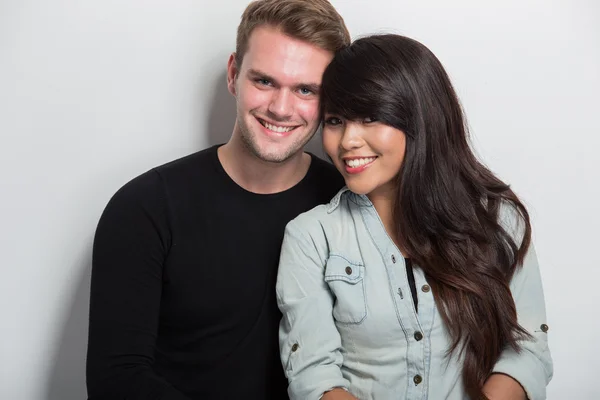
282	104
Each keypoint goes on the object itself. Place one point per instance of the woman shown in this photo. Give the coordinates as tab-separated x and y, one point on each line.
418	280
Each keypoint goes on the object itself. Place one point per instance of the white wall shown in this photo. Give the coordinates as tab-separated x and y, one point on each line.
95	93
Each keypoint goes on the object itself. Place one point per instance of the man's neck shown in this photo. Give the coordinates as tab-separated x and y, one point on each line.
258	176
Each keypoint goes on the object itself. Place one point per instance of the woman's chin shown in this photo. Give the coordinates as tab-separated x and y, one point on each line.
358	189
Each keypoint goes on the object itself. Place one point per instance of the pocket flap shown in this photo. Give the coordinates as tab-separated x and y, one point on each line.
340	269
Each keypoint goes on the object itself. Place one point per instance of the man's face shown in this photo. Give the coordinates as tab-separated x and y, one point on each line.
277	93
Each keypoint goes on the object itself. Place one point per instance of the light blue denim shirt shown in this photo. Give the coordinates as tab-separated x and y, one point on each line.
349	319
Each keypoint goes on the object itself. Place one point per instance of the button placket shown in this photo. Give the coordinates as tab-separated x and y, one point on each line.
417	350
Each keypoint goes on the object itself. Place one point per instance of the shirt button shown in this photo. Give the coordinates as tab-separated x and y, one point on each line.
417	379
348	270
544	328
418	336
425	288
295	347
394	259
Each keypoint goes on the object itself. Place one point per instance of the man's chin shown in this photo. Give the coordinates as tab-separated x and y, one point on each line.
275	157
275	149
277	153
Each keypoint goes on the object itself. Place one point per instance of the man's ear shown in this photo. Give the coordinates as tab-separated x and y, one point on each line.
232	71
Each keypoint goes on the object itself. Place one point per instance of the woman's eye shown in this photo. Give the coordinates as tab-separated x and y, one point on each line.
305	91
333	121
369	120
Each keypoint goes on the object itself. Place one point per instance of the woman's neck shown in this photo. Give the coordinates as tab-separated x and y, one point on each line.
383	201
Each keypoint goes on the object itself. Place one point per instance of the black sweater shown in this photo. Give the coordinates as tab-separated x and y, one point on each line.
183	284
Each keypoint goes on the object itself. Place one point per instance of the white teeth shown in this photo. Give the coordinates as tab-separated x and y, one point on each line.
358	162
278	129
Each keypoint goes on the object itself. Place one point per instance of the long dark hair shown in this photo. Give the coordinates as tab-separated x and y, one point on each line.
447	204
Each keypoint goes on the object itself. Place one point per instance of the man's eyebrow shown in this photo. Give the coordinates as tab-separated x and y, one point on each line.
313	87
263	75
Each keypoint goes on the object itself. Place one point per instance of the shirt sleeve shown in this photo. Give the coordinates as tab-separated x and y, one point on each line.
130	246
309	340
532	367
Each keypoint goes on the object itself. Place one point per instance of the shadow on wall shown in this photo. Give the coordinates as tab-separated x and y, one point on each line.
222	118
222	112
315	146
67	375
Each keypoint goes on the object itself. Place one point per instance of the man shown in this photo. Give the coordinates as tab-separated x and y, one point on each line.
185	256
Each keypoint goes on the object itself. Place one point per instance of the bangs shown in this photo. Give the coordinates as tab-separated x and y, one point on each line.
356	86
349	95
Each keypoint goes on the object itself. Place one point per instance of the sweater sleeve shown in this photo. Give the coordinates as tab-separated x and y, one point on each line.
130	245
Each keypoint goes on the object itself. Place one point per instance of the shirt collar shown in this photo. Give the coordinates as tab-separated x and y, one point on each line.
359	199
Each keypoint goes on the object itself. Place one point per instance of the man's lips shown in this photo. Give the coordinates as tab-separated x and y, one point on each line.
277	128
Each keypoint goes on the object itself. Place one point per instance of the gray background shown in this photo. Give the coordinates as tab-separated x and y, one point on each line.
95	93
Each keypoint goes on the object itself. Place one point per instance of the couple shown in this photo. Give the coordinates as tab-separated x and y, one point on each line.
403	271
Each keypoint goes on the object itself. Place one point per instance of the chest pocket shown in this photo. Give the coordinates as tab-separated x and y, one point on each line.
345	279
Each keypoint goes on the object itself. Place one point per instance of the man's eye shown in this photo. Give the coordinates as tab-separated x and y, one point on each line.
262	81
305	91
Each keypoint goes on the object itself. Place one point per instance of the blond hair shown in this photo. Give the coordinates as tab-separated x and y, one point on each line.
313	21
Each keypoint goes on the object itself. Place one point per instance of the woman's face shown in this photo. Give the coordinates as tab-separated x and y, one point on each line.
368	153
